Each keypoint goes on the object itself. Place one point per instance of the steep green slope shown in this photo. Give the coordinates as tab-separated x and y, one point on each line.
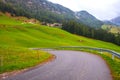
13	56
14	33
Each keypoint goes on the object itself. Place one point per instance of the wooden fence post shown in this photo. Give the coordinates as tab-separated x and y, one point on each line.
113	56
1	63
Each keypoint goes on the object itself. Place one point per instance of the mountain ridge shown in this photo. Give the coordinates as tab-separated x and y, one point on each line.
87	18
45	10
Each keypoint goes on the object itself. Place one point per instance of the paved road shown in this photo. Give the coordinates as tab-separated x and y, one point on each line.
69	65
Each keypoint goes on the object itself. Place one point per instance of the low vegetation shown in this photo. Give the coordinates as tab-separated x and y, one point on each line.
14	33
14	56
111	28
19	58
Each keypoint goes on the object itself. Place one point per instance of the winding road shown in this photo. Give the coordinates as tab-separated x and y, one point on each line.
69	65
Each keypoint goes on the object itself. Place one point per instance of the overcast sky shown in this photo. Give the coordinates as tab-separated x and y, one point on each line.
101	9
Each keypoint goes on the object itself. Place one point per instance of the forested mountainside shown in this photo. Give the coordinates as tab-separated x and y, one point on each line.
88	19
42	10
46	11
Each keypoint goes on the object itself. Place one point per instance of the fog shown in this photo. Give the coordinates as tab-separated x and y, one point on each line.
101	9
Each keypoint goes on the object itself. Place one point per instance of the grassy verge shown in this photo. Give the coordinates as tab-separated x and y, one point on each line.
114	65
19	58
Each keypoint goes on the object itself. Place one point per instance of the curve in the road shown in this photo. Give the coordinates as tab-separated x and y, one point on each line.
69	65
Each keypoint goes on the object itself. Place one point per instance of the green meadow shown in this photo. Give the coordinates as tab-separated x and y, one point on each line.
16	38
19	58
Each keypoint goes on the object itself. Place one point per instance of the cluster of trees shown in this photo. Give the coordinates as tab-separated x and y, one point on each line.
100	34
14	12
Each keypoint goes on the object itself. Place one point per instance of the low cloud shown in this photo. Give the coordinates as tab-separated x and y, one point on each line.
102	9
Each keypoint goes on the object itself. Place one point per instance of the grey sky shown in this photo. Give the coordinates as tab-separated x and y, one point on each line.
101	9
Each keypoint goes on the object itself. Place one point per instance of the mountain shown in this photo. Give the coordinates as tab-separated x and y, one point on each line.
47	11
116	20
88	19
43	10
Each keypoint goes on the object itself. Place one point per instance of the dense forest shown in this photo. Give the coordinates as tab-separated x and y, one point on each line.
14	12
100	34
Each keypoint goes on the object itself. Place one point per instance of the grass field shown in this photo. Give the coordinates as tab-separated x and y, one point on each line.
20	58
111	28
40	36
16	37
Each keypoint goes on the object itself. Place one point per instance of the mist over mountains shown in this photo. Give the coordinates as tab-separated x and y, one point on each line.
116	20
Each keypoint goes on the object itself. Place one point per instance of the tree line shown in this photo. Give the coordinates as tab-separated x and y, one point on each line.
14	12
98	33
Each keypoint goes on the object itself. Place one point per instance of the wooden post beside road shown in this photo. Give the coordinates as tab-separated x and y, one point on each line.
38	54
1	63
113	56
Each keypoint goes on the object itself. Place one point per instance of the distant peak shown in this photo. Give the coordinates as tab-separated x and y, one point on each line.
83	12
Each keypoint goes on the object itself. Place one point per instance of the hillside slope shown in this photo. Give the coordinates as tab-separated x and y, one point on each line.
88	19
14	33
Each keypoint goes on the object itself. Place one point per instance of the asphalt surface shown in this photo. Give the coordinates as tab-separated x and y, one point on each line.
69	65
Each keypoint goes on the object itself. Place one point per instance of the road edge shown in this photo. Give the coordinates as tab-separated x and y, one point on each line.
15	72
